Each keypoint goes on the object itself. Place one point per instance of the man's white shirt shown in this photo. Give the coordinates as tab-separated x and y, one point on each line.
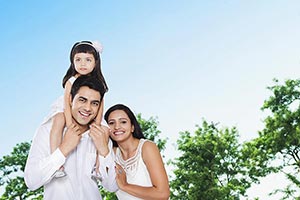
78	184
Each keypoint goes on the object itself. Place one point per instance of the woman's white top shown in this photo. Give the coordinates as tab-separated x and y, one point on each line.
136	171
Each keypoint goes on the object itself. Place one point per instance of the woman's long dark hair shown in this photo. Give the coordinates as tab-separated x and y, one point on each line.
85	47
137	132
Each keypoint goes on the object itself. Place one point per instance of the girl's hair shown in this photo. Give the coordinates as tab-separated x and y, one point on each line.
85	47
137	132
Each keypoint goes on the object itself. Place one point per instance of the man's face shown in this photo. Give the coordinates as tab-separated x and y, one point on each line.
85	105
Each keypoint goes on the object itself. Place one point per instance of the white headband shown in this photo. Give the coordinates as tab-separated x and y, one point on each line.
95	44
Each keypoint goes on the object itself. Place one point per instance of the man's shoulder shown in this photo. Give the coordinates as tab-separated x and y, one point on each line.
43	130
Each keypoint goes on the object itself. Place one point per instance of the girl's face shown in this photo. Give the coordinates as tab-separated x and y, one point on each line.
84	63
120	125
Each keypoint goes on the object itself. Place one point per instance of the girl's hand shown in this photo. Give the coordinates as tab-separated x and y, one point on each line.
120	176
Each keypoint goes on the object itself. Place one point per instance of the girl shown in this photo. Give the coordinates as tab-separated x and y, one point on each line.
85	60
140	169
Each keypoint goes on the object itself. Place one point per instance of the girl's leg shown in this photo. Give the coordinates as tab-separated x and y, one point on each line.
95	172
98	119
56	135
97	164
56	132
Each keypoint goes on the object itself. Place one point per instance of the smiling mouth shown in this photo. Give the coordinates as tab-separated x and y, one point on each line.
85	115
118	133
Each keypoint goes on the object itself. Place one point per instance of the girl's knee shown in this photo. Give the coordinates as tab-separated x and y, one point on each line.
59	120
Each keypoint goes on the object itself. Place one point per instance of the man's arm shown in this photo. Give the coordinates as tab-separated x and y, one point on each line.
100	137
41	165
107	170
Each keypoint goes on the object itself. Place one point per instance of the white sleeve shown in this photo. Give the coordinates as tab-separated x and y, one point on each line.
41	165
107	170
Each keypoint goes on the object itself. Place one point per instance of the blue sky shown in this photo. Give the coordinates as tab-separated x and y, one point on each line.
181	61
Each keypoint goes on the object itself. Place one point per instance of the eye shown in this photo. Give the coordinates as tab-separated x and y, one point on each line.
77	59
123	122
89	59
111	122
95	104
81	100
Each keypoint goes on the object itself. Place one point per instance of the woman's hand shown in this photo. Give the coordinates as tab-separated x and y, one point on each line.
120	176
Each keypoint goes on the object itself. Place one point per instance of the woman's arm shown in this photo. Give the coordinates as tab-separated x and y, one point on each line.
158	175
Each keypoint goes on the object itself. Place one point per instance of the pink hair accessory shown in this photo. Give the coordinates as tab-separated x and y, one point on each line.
98	46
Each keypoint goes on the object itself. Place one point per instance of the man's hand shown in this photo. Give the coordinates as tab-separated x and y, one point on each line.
71	139
100	135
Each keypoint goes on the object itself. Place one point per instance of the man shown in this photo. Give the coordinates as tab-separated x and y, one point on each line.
77	152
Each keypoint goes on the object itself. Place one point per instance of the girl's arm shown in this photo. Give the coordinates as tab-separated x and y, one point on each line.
100	113
158	175
67	104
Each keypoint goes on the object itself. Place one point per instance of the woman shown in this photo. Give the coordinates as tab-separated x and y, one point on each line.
140	170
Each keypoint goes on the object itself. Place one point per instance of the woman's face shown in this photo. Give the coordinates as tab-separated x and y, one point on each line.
84	63
120	125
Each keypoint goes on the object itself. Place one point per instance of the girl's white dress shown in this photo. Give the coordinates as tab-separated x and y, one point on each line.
58	104
136	171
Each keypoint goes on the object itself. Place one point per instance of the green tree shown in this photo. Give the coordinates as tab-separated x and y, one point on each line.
211	165
12	166
11	174
151	131
278	145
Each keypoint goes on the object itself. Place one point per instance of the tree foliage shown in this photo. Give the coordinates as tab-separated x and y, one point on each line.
282	126
151	131
211	165
11	174
280	139
12	166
